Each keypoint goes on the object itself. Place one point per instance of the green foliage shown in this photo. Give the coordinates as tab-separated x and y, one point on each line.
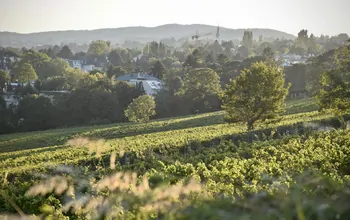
98	48
259	175
36	59
257	94
335	84
25	72
297	76
36	112
247	39
201	87
65	53
56	83
115	58
194	60
141	109
158	69
38	85
4	79
56	67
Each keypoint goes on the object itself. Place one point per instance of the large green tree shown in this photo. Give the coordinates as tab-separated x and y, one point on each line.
201	88
56	67
36	59
141	109
98	48
115	58
158	69
257	94
247	39
65	53
37	112
334	93
25	73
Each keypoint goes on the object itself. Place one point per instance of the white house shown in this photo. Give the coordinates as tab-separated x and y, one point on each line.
151	84
90	67
76	64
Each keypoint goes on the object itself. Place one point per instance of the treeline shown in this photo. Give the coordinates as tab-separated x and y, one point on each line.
99	101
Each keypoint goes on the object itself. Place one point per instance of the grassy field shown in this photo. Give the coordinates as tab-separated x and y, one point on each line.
28	151
225	158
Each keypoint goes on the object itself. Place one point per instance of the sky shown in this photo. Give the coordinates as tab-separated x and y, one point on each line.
327	17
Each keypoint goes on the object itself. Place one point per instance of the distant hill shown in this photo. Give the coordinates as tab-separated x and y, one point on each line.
119	35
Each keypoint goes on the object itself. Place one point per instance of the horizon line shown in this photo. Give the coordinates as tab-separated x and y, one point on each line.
140	26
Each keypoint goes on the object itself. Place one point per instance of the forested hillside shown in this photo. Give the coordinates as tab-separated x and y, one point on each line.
119	35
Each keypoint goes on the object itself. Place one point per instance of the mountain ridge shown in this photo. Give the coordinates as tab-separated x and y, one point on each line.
133	33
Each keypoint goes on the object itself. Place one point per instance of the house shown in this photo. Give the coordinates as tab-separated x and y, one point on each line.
81	64
151	84
76	64
90	67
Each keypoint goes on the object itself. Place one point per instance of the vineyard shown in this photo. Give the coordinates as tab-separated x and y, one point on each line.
194	167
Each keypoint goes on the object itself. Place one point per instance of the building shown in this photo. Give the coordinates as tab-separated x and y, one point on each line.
81	64
76	64
151	84
89	68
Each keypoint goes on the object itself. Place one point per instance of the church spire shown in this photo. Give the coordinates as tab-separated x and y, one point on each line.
218	32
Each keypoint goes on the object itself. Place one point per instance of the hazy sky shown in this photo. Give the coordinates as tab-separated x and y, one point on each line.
318	16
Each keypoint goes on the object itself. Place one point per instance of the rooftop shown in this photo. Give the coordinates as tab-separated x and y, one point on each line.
138	76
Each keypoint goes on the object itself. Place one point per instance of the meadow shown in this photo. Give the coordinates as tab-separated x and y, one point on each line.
229	163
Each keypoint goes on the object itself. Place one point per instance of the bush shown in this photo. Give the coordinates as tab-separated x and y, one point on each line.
141	109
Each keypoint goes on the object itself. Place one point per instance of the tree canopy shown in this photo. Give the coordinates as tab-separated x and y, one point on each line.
334	91
257	94
201	87
65	53
98	47
141	109
25	73
158	69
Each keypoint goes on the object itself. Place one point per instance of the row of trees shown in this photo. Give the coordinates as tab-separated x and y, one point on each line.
94	100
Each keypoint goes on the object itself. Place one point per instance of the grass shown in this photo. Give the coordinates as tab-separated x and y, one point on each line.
201	147
29	151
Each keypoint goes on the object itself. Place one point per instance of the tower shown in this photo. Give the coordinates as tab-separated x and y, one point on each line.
217	33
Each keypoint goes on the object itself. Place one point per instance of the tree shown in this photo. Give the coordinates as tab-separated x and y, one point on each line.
158	70
247	39
194	60
56	67
302	41
25	73
141	109
257	94
65	53
115	58
4	79
268	54
7	120
334	93
115	71
37	60
98	48
38	85
37	113
201	88
243	52
312	44
55	83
